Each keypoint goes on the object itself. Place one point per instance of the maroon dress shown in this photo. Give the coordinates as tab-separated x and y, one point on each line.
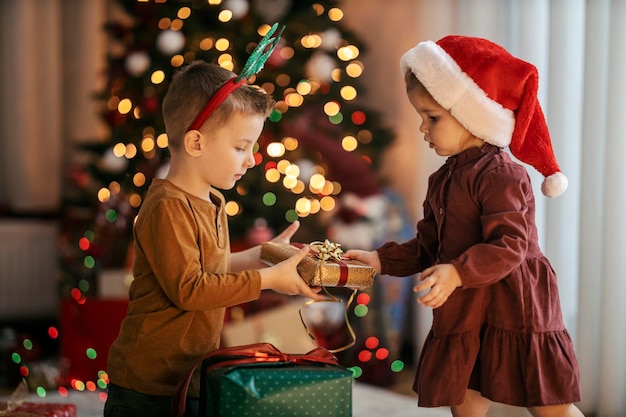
502	332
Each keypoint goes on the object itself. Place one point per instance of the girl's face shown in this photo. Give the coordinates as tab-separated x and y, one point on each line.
444	134
229	151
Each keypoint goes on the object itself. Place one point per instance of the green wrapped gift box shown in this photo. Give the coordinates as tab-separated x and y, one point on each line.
279	389
259	380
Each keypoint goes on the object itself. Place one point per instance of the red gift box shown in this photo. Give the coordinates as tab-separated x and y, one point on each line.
41	409
93	325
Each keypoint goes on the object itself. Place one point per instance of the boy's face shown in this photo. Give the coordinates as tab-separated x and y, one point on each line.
228	151
444	134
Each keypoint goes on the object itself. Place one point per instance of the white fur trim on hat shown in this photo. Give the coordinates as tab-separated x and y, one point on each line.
554	185
455	91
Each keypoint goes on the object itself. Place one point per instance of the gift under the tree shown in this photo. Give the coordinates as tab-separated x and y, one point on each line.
32	409
260	378
323	266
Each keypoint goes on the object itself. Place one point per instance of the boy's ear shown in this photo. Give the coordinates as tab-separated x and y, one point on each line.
192	142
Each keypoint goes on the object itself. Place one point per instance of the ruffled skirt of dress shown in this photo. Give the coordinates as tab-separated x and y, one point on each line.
506	341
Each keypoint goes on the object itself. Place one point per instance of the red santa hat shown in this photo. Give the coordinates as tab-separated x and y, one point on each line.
493	94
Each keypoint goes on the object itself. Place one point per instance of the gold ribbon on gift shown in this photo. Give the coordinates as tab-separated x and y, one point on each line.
18	397
325	251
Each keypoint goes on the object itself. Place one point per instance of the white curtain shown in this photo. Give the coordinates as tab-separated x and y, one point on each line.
30	106
579	48
50	55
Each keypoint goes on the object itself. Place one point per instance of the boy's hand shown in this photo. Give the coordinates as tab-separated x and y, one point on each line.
284	278
370	258
285	235
442	280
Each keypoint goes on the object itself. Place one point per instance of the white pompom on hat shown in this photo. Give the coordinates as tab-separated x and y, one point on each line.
493	94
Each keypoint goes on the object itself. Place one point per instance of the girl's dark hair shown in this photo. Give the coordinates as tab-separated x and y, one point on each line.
191	89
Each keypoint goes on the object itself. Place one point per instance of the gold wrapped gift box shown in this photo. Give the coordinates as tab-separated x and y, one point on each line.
319	272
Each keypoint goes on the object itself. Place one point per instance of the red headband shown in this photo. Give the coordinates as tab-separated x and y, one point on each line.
214	102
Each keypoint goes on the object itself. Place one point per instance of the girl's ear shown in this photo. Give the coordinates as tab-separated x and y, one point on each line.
192	142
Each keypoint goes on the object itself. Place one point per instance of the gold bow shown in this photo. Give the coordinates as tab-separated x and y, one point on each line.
326	250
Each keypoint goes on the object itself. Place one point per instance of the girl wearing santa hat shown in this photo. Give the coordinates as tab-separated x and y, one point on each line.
497	332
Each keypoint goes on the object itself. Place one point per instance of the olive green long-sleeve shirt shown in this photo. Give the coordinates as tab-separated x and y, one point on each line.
181	287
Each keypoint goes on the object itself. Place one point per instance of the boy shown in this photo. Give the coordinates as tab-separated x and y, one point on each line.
184	272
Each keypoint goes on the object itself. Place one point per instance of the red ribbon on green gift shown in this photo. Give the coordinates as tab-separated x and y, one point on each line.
246	354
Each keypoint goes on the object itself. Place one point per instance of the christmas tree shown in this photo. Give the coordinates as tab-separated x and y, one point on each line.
321	142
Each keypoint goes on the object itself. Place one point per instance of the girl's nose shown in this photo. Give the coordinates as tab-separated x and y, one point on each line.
250	162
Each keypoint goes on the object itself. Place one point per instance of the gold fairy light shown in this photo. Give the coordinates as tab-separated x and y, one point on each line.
286	52
331	108
318	8
177	24
290	143
232	208
147	144
289	182
354	69
134	200
119	149
317	181
184	12
272	175
348	92
299	187
177	61
303	206
275	149
336	188
303	87
282	166
215	2
328	188
206	44
222	44
139	179
162	141
225	16
157	77
336	74
294	100
315	206
131	151
104	195
137	113
115	187
335	14
327	203
164	23
349	143
283	80
292	170
124	106
224	58
348	53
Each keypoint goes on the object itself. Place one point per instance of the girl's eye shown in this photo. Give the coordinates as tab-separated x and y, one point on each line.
241	149
432	119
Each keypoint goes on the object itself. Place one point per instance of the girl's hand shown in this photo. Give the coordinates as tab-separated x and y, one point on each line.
442	280
284	278
367	257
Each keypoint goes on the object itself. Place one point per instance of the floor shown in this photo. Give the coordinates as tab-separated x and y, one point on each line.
367	401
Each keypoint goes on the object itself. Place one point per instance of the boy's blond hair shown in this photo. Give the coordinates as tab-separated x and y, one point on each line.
191	89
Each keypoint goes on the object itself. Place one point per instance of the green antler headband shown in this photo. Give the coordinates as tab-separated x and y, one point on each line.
253	65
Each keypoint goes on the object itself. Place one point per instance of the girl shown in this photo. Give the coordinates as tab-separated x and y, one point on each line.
497	332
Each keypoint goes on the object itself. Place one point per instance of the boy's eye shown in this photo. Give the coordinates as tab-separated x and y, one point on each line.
432	119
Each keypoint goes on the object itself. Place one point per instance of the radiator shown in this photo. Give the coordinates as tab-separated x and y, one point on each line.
28	269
